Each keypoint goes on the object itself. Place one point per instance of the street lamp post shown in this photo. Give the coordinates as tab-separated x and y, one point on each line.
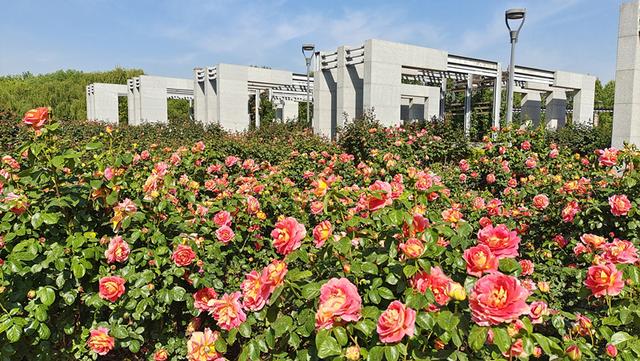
307	51
514	15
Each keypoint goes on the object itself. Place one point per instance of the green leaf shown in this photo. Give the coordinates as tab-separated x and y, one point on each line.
119	332
368	267
13	334
543	342
134	346
44	332
366	326
282	325
425	320
341	335
178	293
501	339
391	353
311	291
46	295
36	220
77	268
477	337
376	354
50	218
386	293
620	337
94	146
327	345
57	161
510	265
245	330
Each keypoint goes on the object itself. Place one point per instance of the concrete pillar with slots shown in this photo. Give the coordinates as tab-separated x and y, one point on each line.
199	100
468	92
348	87
324	100
556	109
531	107
497	98
626	115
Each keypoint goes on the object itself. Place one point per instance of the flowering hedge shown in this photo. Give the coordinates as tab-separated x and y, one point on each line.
521	250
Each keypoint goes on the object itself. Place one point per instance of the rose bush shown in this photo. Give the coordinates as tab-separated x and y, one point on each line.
120	251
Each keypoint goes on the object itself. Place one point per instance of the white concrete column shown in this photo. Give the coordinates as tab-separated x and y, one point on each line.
131	102
432	104
324	102
136	103
256	110
556	109
382	81
348	89
153	99
290	110
233	93
583	101
199	100
467	104
531	107
89	99
211	99
443	96
497	98
626	115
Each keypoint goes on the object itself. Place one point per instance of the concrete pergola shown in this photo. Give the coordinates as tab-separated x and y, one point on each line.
222	93
375	76
534	83
102	101
147	97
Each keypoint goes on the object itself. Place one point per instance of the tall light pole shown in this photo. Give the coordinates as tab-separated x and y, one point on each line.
307	51
514	15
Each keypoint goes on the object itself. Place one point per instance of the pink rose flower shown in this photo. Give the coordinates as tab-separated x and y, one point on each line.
620	251
497	298
183	255
620	205
225	234
255	292
479	260
100	342
412	248
607	157
604	280
273	274
118	250
339	301
288	235
396	322
227	311
201	346
436	281
222	218
541	201
202	298
111	288
321	232
502	242
382	198
538	310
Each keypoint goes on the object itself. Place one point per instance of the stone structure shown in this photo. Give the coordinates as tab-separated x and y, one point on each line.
222	93
402	82
147	97
102	101
626	114
399	82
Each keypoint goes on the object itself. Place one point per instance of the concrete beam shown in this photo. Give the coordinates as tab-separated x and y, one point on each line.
103	101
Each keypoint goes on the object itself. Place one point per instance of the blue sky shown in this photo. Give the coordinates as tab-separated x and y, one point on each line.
170	38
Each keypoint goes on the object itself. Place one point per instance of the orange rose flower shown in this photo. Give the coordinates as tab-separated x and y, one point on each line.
100	342
111	288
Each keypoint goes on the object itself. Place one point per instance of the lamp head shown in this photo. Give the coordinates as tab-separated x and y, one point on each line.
515	14
307	50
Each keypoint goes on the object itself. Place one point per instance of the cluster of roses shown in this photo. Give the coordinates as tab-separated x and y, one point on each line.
340	303
603	278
